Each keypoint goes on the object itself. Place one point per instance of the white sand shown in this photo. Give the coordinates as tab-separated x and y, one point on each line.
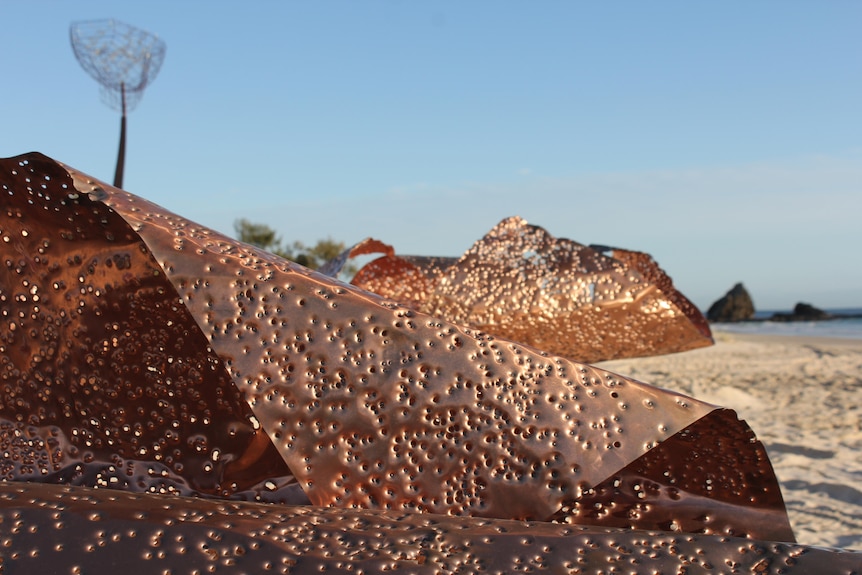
802	398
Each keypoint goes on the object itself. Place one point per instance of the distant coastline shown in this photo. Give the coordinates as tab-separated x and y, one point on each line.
789	316
839	323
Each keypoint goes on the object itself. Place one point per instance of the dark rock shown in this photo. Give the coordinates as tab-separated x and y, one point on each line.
736	305
802	312
808	310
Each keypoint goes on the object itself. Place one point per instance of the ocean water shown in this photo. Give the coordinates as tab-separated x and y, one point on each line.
842	328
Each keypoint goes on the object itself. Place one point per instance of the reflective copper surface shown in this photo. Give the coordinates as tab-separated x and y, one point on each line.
147	353
713	477
374	405
105	377
522	283
56	529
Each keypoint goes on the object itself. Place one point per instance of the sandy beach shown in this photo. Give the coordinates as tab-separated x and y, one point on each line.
802	397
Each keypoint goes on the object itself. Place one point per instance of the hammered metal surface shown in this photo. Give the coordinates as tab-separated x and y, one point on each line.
53	529
647	267
105	377
713	477
369	404
522	283
410	280
374	405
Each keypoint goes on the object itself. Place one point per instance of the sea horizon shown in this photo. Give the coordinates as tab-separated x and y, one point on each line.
849	328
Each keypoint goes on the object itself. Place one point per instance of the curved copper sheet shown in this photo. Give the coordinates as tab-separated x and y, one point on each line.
51	529
689	482
105	377
522	283
369	404
366	246
647	267
374	405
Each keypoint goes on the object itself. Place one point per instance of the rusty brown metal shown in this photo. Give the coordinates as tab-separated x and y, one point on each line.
148	353
522	283
58	529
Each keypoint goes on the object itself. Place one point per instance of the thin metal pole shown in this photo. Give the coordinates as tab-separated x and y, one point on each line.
121	155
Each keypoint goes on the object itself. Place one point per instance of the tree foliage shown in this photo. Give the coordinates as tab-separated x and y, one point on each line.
259	235
266	238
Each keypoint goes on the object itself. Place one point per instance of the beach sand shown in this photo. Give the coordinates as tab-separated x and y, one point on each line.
802	398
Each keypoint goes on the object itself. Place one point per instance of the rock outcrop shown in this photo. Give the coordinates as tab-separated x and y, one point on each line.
802	312
735	305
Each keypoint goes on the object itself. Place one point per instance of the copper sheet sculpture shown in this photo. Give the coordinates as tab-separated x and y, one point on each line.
555	294
140	534
145	353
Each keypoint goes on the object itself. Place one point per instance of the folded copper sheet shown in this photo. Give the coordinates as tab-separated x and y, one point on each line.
106	378
147	353
522	283
57	529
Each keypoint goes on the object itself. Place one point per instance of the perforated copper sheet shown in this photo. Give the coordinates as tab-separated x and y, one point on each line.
712	477
374	405
100	532
369	404
522	283
105	377
647	267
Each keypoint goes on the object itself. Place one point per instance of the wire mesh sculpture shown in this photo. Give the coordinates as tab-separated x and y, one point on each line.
124	60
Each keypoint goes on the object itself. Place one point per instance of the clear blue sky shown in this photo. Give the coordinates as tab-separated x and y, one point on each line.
725	138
